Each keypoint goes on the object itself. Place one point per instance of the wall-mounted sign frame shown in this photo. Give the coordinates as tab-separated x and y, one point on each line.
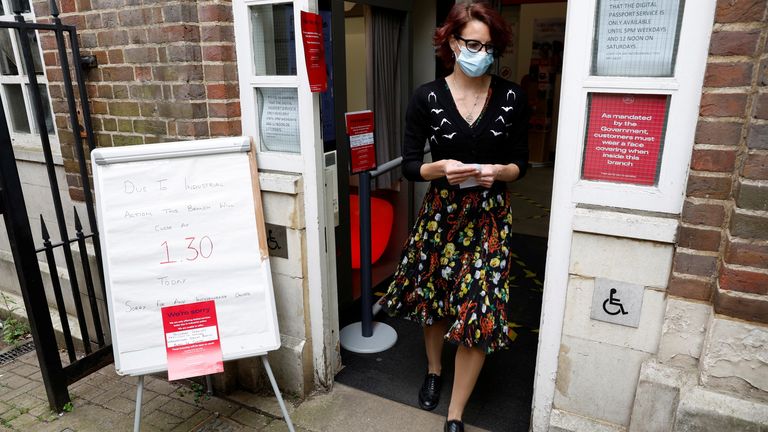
625	137
636	38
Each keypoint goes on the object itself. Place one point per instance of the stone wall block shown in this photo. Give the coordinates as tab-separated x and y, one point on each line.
151	127
757	137
756	166
291	266
723	104
748	307
709	186
140	55
682	336
194	128
657	397
713	160
761	106
746	253
703	239
731	11
734	359
749	225
728	74
112	37
597	380
564	421
718	132
215	12
742	279
225	127
578	323
218	53
634	261
181	12
183	53
220	72
224	109
733	43
703	213
703	410
289	301
752	196
691	287
116	56
173	33
282	199
217	33
189	91
117	73
222	91
695	264
124	109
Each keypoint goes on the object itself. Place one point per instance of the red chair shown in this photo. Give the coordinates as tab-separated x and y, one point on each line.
382	215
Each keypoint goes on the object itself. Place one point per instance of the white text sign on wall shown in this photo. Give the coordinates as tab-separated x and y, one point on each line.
636	38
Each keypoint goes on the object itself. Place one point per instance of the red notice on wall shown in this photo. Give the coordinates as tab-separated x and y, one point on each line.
624	138
314	51
192	340
361	147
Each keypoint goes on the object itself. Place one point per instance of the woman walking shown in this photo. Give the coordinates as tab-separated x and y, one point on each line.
453	274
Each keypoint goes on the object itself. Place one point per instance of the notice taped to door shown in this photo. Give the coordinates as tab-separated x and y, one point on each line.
182	223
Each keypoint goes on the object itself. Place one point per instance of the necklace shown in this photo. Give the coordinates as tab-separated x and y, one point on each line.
469	118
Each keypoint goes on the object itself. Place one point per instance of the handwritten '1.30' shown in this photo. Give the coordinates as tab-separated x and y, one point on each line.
202	248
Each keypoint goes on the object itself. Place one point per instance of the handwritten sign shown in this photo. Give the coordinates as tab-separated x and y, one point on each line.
636	38
181	223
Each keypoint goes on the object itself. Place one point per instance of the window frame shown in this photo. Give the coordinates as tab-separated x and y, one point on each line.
27	145
249	82
685	95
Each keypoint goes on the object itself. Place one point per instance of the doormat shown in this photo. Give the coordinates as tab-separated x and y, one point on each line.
502	397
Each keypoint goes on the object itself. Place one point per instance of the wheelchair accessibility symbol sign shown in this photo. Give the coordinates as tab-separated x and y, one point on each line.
617	302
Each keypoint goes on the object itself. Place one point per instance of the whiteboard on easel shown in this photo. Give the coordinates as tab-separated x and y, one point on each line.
182	223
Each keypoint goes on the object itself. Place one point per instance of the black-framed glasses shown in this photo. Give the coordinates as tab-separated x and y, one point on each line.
475	46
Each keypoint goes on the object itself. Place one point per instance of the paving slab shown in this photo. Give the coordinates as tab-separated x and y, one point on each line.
105	402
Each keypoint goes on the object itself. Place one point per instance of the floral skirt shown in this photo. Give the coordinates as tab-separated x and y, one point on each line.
455	265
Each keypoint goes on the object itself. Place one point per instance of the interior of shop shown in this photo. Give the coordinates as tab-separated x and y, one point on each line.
374	41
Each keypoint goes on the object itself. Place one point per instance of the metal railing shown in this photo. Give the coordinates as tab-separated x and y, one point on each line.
56	376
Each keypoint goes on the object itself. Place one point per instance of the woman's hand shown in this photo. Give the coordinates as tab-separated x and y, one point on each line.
457	172
488	174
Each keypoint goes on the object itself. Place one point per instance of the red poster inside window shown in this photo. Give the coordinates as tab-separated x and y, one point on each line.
624	138
361	147
192	340
314	51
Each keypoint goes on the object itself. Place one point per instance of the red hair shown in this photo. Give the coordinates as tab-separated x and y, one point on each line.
458	17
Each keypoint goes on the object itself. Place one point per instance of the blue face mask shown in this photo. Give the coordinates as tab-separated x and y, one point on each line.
474	64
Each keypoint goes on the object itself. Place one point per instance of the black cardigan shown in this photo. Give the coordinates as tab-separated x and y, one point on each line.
500	135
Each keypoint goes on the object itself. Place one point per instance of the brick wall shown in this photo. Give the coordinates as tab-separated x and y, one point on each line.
166	72
722	250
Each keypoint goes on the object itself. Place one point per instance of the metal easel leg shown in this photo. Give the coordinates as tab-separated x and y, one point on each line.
139	394
277	393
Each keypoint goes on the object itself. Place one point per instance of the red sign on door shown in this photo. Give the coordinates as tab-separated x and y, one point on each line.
361	147
314	51
624	138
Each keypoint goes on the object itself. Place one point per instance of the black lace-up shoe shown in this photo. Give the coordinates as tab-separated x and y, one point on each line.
429	395
454	426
